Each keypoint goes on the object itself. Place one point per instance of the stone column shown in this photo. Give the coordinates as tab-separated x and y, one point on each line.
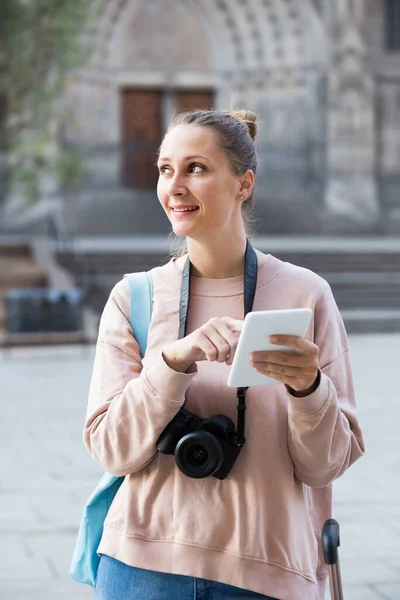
351	180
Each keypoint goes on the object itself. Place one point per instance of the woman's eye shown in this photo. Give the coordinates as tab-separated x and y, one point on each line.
165	170
196	168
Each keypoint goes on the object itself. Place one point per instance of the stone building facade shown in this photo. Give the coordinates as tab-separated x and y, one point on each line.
323	76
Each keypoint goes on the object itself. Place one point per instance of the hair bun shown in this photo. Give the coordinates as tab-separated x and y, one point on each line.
249	118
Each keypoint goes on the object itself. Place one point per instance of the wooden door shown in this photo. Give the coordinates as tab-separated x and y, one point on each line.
141	137
194	99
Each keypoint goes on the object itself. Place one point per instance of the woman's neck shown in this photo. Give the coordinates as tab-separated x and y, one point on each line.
217	260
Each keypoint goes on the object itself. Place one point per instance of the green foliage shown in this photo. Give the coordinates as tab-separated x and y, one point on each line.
41	42
69	168
29	182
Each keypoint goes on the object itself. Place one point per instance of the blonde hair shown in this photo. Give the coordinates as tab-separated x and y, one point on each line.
236	131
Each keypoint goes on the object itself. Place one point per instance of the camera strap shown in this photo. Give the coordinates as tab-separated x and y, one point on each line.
250	284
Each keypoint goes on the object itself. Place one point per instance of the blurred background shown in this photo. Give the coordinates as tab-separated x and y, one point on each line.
86	91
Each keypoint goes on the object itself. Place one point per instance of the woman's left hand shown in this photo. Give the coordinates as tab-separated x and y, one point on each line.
298	370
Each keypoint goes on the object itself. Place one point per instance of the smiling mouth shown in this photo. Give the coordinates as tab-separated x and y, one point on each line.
185	210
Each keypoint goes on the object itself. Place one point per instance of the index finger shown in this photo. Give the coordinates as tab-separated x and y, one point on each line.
291	341
233	324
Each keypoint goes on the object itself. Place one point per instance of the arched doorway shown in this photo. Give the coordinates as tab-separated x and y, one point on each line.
159	56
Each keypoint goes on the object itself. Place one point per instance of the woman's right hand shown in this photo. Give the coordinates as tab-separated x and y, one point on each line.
216	340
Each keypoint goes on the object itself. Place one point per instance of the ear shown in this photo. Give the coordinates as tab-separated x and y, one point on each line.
246	184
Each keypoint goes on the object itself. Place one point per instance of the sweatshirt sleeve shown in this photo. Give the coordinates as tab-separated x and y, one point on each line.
324	434
128	406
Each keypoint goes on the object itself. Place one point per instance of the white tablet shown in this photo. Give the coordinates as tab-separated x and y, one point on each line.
257	328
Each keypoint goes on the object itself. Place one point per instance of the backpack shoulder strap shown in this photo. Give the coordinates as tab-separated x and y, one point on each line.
141	297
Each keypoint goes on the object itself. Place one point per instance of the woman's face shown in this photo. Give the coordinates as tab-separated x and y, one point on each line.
196	187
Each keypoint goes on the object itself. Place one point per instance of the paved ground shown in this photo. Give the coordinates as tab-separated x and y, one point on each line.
47	474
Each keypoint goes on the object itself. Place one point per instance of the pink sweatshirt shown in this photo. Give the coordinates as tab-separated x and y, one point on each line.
260	528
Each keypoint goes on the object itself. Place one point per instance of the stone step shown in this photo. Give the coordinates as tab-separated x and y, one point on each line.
364	274
359	320
371	321
345	258
12	250
366	295
20	272
351	298
365	318
351	289
112	263
341	263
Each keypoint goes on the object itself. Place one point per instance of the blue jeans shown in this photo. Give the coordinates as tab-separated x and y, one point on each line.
118	581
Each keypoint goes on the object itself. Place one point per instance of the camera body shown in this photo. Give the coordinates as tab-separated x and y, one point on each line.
202	447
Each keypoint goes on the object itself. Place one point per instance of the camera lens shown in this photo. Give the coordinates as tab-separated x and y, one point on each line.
199	454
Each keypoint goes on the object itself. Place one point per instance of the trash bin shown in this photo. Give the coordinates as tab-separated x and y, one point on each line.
44	310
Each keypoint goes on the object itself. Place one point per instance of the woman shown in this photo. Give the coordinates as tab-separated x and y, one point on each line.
254	533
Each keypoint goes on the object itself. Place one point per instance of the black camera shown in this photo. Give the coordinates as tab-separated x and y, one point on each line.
202	447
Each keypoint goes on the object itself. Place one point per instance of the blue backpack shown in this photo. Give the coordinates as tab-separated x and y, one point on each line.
85	560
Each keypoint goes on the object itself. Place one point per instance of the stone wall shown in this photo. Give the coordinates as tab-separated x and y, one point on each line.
326	93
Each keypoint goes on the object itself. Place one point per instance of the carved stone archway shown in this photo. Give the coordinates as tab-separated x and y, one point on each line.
254	47
266	55
242	34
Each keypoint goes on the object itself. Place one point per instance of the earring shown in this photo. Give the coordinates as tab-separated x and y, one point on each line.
240	197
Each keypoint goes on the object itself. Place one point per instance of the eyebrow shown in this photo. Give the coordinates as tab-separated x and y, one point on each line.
191	157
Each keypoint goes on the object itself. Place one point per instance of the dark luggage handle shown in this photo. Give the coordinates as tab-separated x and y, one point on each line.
331	541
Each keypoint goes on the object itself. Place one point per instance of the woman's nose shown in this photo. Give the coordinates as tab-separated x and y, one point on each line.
176	186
